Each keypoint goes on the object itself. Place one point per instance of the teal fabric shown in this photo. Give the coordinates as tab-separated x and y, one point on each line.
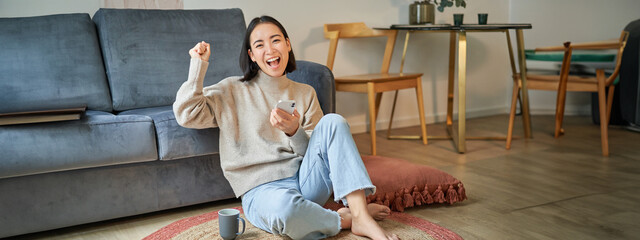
576	56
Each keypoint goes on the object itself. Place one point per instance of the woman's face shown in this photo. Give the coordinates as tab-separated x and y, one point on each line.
269	49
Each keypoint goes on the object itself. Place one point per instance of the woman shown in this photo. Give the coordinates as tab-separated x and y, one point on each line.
282	172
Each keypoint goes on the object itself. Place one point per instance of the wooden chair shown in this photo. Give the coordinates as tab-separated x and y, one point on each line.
376	83
566	81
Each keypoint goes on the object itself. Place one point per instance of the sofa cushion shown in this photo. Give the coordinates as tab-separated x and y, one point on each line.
146	51
97	139
175	141
321	79
51	62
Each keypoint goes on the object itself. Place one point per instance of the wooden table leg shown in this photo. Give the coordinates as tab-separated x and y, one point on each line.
371	93
423	124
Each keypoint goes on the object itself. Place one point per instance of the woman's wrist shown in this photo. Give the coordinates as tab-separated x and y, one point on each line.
199	58
292	132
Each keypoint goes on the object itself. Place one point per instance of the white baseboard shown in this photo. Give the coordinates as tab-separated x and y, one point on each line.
568	111
400	122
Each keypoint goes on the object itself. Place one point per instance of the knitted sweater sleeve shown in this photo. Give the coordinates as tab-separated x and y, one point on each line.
192	108
310	118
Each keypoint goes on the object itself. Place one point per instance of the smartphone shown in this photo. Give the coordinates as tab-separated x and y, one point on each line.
286	105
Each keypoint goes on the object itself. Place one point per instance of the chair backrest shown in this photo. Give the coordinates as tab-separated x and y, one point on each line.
624	36
358	30
618	45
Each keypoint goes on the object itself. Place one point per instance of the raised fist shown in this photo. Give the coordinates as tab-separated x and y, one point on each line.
202	50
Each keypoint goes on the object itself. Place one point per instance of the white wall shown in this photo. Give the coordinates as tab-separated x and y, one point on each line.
428	53
488	71
28	8
558	21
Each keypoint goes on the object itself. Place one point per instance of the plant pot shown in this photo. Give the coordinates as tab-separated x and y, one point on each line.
421	12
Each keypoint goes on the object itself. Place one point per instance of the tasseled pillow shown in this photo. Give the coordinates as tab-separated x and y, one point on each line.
401	184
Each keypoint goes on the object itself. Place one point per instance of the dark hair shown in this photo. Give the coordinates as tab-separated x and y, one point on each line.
250	68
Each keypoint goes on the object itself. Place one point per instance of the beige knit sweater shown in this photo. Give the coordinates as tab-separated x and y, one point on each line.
252	152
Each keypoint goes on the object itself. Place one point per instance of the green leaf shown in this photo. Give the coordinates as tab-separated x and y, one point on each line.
449	3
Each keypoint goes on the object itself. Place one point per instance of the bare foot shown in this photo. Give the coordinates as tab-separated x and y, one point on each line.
377	211
364	225
345	218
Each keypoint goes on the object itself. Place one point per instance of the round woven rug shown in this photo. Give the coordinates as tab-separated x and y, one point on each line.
205	226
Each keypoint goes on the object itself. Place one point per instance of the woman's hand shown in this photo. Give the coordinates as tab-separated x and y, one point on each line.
284	121
202	50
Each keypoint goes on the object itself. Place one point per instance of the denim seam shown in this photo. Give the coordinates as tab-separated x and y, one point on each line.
302	183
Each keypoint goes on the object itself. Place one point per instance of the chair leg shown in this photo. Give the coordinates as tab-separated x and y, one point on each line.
604	135
520	104
423	124
378	100
610	102
512	112
562	90
372	115
393	111
560	102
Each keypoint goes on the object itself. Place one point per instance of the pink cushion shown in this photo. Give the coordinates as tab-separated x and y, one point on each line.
401	184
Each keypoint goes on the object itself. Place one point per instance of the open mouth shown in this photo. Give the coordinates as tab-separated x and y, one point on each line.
273	62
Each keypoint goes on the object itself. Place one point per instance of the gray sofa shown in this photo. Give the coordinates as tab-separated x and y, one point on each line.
126	155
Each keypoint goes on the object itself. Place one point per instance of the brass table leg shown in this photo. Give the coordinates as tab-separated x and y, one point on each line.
404	51
458	137
462	85
450	85
452	67
420	103
523	78
514	96
395	96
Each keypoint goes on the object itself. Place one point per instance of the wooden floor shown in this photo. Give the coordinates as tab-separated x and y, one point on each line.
543	188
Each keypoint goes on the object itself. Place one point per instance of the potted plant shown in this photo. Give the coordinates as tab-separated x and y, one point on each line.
422	12
449	3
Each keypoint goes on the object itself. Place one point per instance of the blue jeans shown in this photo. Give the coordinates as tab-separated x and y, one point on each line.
293	206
